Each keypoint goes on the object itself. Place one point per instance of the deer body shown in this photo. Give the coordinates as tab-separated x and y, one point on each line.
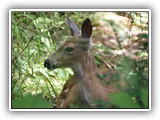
83	87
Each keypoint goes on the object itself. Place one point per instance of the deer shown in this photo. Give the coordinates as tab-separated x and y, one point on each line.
84	86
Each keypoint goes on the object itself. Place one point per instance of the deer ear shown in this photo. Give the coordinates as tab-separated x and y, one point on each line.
86	28
74	28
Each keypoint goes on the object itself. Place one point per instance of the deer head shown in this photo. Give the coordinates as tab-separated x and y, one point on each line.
74	49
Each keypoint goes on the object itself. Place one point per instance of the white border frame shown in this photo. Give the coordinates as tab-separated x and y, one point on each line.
80	10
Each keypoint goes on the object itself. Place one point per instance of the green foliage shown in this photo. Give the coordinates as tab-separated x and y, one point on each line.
100	104
145	97
135	74
93	104
30	101
123	100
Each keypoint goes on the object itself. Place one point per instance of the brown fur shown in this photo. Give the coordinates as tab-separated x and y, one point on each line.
75	88
83	87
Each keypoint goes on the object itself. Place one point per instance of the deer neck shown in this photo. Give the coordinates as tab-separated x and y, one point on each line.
83	69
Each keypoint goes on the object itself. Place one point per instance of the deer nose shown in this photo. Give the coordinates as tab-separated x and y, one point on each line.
47	63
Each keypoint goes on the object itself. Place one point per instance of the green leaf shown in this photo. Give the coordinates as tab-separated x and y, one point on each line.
123	100
61	73
46	42
143	36
145	97
69	70
30	101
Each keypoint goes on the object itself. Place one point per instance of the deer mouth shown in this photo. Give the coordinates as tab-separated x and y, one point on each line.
50	66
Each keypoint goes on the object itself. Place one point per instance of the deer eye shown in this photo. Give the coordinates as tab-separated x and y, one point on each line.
69	50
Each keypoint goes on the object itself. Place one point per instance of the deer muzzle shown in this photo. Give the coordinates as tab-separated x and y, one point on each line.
48	64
